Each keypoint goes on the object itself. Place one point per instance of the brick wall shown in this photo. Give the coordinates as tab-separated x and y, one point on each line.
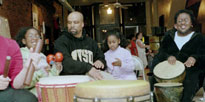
18	13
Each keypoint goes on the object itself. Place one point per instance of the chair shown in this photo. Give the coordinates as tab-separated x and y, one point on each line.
139	65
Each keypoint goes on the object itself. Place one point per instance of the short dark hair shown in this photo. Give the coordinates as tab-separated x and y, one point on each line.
190	13
118	35
114	33
21	35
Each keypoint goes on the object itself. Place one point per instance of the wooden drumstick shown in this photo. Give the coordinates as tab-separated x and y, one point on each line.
31	69
6	68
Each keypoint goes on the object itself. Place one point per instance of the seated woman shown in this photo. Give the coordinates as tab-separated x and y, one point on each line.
16	74
27	38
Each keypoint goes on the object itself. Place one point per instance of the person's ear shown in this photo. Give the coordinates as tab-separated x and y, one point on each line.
175	26
23	41
83	25
119	41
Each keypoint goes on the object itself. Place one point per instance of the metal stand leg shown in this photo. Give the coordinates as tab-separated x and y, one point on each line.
96	100
130	99
74	99
151	97
204	95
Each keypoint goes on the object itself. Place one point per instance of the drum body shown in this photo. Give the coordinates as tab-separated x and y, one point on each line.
168	92
165	72
58	88
113	91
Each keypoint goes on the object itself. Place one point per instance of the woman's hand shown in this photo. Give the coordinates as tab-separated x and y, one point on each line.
171	60
190	62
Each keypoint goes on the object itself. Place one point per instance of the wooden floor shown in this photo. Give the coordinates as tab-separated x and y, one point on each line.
197	98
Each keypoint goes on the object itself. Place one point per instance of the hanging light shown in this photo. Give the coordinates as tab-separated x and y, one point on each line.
201	13
109	11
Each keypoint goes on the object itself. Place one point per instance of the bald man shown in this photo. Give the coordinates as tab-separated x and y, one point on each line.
81	53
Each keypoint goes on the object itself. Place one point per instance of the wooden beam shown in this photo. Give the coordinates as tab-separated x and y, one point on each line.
67	5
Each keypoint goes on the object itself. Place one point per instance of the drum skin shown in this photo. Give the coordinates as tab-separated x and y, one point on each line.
113	89
167	73
178	79
168	92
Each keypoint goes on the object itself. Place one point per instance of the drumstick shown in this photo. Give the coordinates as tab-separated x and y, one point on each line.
31	69
6	68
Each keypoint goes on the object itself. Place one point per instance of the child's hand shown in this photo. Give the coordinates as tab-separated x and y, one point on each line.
35	57
98	64
47	69
117	63
59	66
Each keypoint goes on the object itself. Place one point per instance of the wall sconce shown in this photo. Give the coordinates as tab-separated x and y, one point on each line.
109	11
104	31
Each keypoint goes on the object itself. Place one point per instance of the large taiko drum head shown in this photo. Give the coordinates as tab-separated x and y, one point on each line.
59	88
113	89
165	72
168	92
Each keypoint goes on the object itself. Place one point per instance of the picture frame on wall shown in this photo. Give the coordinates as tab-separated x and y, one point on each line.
35	15
35	20
1	2
4	28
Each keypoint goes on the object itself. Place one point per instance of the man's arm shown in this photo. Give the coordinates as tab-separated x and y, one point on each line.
70	66
98	56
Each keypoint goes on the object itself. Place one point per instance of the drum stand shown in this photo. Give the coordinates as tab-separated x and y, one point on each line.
151	97
129	99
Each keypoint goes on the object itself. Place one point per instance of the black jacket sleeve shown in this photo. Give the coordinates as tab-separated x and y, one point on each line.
70	66
201	53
